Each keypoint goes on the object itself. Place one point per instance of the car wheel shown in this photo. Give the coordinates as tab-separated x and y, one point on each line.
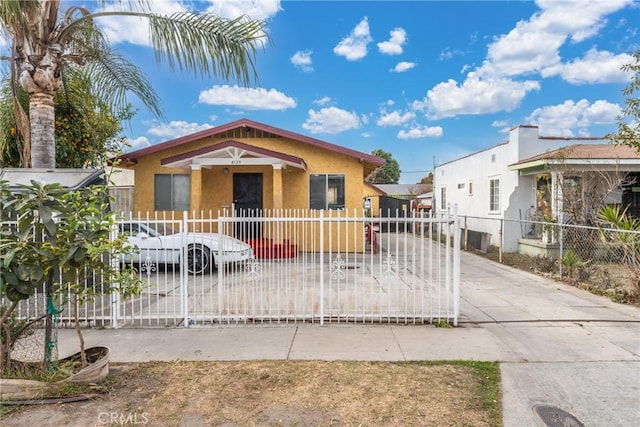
198	259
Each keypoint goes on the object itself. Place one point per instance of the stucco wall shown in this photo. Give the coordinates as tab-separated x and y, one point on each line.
217	188
516	193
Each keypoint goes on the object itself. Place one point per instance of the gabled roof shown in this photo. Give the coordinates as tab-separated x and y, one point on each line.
230	149
582	154
374	161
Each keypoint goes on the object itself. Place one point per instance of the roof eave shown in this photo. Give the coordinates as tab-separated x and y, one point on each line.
362	157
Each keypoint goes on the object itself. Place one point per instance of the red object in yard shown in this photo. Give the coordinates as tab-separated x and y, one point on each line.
371	234
266	249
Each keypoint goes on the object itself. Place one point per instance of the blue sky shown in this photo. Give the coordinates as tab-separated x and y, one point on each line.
420	79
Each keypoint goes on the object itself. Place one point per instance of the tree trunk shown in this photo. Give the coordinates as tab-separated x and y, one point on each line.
5	347
42	117
76	318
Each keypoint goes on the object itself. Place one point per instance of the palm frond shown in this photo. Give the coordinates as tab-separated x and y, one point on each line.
110	77
18	14
14	124
207	44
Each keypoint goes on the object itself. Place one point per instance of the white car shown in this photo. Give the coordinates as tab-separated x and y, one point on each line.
203	250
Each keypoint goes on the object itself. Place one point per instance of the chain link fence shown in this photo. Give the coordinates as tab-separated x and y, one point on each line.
601	259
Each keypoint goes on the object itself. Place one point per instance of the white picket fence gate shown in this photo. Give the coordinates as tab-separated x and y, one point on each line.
308	267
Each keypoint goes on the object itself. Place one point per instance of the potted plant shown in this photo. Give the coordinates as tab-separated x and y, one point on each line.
52	238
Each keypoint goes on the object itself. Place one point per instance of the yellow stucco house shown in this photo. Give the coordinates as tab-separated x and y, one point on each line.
248	166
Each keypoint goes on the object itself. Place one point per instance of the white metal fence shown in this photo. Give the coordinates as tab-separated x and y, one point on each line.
285	267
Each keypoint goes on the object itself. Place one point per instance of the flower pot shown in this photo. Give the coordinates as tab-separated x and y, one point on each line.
95	371
98	368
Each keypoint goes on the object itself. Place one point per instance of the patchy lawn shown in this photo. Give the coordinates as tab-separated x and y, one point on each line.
282	393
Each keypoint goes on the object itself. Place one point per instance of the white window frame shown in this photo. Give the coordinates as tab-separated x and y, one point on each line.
470	188
443	198
494	205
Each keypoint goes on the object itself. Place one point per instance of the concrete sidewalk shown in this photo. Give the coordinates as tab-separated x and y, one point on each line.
558	345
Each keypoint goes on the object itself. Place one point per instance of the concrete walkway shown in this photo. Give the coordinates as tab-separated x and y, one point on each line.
558	345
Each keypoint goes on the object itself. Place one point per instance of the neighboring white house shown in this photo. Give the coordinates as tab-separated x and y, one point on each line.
493	185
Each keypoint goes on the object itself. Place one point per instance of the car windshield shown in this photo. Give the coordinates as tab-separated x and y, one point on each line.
151	229
160	229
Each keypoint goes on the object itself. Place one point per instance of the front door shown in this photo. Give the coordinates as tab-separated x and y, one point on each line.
247	201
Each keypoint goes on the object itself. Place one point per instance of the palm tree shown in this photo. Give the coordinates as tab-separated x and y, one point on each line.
51	48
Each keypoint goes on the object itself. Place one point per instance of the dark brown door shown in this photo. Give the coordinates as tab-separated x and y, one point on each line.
247	200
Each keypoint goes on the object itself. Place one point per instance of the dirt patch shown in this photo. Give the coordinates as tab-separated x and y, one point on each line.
613	280
283	393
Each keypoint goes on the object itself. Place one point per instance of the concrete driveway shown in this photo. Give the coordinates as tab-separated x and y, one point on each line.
560	346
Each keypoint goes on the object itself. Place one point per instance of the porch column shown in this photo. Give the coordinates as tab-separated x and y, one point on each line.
557	207
196	188
277	187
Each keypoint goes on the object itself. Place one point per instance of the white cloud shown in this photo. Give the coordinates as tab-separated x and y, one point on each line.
302	60
474	96
561	16
395	118
563	119
403	66
322	101
595	67
137	143
354	46
247	98
129	29
331	120
394	45
134	30
177	128
601	112
502	124
449	53
256	9
534	44
421	132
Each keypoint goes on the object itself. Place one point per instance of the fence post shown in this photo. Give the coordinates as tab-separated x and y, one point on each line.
221	270
321	267
456	265
184	291
466	230
560	243
500	235
115	292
